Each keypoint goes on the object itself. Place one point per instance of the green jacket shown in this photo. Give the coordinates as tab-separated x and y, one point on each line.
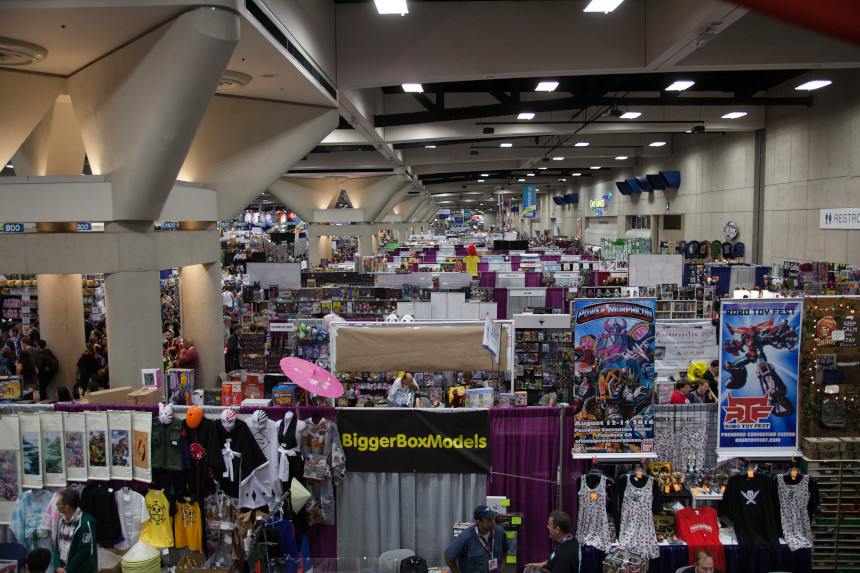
83	555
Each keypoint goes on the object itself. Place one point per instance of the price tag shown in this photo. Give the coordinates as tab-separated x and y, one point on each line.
723	490
505	502
594	495
638	474
667	489
676	486
510	534
512	559
516	520
750	474
695	491
794	473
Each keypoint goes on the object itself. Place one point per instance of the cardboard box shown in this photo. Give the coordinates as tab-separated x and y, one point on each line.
284	395
521	398
253	385
110	396
506	400
212	397
146	396
479	398
231	393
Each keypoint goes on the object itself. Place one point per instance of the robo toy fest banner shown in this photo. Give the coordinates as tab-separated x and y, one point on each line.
614	371
758	381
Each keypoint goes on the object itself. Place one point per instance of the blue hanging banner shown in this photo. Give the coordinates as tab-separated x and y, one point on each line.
529	201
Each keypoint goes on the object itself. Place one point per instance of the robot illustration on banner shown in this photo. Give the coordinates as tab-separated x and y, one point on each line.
750	345
614	378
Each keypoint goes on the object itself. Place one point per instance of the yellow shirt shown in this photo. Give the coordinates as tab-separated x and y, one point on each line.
187	527
158	531
472	265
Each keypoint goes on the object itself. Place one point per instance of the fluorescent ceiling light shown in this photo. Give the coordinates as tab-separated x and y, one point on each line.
391	7
596	167
576	174
631	115
546	86
526	115
605	6
734	114
582	144
680	86
530	174
485	174
657	144
814	85
9	166
558	158
621	157
562	180
541	168
413	88
429	147
506	145
521	180
480	180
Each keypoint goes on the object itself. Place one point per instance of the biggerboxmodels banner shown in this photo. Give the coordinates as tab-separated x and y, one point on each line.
614	376
758	378
404	440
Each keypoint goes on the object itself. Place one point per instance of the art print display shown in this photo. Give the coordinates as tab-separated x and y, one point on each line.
53	449
75	449
758	375
97	445
10	465
120	445
31	450
614	376
141	426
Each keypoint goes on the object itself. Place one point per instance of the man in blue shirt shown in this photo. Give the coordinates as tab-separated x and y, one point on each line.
479	549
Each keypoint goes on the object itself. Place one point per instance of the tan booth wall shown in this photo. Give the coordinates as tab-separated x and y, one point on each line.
416	349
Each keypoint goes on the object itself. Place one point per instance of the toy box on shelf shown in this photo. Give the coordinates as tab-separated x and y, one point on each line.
10	387
479	398
252	383
506	400
624	561
284	395
231	393
180	385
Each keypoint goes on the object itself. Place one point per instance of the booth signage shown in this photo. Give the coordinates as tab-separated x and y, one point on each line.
406	440
492	337
529	201
616	341
730	231
679	344
12	228
758	379
84	226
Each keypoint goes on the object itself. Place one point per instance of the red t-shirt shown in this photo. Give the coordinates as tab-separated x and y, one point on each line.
700	529
678	398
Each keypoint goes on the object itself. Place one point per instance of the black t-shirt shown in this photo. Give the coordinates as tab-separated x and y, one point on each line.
88	365
751	503
565	557
712	381
99	501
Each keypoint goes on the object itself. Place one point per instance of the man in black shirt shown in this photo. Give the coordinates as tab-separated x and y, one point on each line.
565	556
712	376
704	564
86	366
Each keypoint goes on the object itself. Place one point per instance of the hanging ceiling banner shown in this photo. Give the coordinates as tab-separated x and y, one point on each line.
406	440
758	378
615	368
678	344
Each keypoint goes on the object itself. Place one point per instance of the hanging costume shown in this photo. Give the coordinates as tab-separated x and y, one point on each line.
639	503
267	485
592	523
27	519
796	503
98	501
132	515
237	461
325	467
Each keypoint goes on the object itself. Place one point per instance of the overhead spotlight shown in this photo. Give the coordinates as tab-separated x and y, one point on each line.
657	144
429	147
526	115
614	112
506	145
541	168
814	85
577	174
489	131
558	158
631	115
546	86
481	180
596	167
391	7
530	174
605	6
582	144
413	88
734	115
621	158
485	174
680	86
520	180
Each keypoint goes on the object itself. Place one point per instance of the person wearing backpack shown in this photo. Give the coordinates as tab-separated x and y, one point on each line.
479	549
48	365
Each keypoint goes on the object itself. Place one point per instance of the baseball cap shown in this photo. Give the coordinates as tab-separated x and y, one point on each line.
484	512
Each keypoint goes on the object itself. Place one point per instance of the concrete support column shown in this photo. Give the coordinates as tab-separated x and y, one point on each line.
61	323
365	244
200	297
313	251
655	233
133	312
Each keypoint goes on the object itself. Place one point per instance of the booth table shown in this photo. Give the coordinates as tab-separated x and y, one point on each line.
674	556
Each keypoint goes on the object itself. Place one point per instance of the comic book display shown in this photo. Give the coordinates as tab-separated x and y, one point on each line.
614	370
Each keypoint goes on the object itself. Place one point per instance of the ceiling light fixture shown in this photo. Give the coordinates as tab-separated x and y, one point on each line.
630	115
605	6
485	174
562	180
621	158
526	115
530	174
506	145
18	53
596	167
9	166
582	144
734	114
391	7
657	144
429	147
413	88
546	86
680	86
520	180
541	168
480	180
577	174
558	158
814	85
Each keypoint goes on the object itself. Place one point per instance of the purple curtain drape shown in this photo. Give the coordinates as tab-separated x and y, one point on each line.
487	278
570	469
533	279
524	459
483	267
500	297
555	298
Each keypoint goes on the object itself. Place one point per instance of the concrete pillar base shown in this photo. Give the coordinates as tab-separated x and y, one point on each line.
61	324
200	297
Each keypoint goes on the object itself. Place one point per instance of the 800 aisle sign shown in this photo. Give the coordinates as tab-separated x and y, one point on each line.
12	228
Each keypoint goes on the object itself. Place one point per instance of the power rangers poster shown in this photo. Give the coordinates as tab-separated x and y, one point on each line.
758	375
614	376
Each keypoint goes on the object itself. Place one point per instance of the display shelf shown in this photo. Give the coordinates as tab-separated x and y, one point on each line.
835	528
542	356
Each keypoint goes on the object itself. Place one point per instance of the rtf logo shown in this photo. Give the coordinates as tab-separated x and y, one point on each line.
747	410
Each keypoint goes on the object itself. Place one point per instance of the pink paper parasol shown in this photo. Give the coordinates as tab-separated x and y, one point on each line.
311	377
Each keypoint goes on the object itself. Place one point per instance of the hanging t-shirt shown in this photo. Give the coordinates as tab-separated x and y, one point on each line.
739	250
187	524
750	502
715	249
166	453
132	515
692	249
798	497
158	531
727	250
98	500
704	247
700	529
266	487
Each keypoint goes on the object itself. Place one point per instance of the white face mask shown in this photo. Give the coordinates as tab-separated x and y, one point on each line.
165	413
228	419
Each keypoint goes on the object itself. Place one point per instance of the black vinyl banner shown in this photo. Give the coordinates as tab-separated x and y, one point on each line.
406	440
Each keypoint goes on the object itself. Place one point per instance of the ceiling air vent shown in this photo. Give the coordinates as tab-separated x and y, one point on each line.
18	53
232	81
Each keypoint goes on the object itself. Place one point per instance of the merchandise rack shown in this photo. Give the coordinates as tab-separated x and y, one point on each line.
836	528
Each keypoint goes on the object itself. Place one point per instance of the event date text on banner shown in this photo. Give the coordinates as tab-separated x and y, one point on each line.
406	440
